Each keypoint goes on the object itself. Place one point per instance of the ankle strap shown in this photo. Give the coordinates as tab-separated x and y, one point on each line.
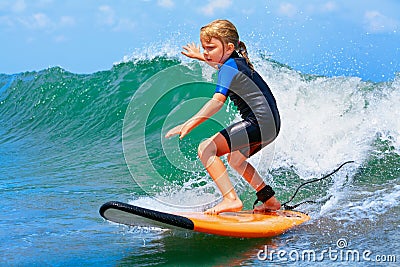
264	194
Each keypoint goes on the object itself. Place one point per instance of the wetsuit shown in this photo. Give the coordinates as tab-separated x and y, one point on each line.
254	100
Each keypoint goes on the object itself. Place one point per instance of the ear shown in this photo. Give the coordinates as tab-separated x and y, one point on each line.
230	48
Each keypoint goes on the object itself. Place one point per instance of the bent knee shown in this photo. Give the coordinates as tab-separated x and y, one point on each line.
206	148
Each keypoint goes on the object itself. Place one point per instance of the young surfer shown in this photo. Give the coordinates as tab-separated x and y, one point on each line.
260	122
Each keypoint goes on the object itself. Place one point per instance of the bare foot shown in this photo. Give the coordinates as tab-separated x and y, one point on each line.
227	204
271	204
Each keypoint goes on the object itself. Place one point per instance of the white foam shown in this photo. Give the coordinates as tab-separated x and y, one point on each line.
163	203
167	49
326	121
182	197
370	205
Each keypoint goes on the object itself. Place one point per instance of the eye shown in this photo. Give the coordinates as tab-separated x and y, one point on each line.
209	47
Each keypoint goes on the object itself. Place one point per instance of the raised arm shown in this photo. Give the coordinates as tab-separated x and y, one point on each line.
207	111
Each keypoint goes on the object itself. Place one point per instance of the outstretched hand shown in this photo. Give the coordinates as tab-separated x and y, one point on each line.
174	131
192	51
180	130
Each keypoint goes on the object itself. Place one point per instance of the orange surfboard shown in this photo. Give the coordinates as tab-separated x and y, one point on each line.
235	224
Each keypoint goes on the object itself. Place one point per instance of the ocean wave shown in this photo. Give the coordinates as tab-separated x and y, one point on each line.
325	120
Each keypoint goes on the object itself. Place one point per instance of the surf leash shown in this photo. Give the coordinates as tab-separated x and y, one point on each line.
289	207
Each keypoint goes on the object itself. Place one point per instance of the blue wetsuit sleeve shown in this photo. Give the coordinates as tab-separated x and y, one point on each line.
225	76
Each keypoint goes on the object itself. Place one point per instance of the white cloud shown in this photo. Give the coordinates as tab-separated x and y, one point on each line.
67	21
248	11
7	22
60	39
291	10
124	24
44	3
376	22
18	6
166	3
329	7
37	21
288	10
30	15
214	5
12	6
41	20
106	15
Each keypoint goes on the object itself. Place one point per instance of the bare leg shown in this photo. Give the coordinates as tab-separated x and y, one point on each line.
250	174
208	151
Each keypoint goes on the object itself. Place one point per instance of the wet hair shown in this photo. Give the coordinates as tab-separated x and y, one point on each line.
226	32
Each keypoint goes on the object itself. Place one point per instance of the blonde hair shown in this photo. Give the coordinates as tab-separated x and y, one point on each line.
226	32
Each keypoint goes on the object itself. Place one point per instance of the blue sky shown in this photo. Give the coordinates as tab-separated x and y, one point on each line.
326	37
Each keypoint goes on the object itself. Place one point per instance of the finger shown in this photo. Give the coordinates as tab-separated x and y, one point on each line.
192	46
169	134
182	134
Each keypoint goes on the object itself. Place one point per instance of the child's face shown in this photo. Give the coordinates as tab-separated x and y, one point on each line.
215	52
